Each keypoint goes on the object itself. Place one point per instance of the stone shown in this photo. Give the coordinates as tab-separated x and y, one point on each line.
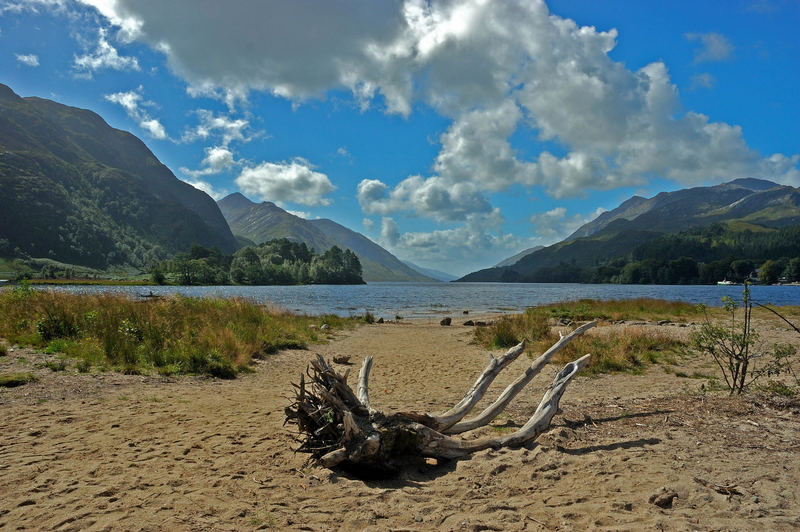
446	322
664	498
469	323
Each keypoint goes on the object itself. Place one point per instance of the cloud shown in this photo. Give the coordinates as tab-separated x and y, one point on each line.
103	56
704	80
217	159
31	60
475	148
132	102
294	181
492	67
433	197
714	47
458	250
224	127
368	224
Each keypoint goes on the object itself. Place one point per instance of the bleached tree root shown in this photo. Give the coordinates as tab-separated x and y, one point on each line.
340	427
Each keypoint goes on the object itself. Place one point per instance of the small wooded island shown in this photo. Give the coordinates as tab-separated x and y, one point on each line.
277	262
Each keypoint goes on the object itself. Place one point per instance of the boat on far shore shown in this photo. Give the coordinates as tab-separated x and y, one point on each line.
726	282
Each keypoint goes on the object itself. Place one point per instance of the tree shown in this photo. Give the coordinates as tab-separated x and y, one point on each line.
793	270
769	272
741	270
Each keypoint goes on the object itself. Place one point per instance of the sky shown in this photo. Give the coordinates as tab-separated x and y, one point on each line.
453	133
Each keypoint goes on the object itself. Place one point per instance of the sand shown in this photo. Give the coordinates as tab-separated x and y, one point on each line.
102	452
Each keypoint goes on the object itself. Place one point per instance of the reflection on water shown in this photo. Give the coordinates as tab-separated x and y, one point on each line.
418	300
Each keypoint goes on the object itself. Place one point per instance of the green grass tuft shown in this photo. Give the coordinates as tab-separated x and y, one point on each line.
10	380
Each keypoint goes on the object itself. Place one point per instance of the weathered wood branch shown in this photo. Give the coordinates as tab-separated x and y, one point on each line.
493	410
340	427
473	395
443	446
363	383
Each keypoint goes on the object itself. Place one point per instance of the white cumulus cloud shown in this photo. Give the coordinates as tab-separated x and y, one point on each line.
492	67
431	197
295	181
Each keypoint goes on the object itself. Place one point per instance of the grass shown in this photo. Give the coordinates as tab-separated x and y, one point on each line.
630	351
620	309
85	281
176	335
10	380
3	349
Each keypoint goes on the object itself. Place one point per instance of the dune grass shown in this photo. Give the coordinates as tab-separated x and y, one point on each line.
631	350
217	337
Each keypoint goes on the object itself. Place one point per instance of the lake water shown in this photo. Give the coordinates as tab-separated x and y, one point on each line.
429	300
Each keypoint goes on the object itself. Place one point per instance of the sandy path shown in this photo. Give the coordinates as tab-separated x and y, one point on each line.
193	454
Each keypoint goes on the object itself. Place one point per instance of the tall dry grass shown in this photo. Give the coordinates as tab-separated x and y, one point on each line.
217	337
625	350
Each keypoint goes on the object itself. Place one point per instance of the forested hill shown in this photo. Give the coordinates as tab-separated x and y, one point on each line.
262	222
699	235
76	190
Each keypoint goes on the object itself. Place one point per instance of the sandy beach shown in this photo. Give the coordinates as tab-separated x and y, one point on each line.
111	452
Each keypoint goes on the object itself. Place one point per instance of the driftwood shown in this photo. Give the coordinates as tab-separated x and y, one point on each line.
340	427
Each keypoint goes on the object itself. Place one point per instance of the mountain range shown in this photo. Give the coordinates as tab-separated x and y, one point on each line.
743	208
261	222
76	190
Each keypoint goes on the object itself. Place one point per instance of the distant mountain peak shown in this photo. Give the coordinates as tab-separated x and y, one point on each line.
752	183
236	200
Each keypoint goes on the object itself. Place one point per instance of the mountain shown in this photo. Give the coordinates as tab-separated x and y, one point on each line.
78	191
704	224
694	207
514	259
261	222
430	272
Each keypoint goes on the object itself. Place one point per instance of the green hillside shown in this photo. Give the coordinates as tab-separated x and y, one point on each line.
698	235
78	191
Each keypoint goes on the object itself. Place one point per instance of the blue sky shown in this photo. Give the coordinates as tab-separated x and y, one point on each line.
455	134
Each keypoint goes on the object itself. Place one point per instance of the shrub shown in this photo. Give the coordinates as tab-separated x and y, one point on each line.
734	346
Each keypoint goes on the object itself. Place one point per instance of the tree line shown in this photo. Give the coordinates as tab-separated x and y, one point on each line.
277	262
697	256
